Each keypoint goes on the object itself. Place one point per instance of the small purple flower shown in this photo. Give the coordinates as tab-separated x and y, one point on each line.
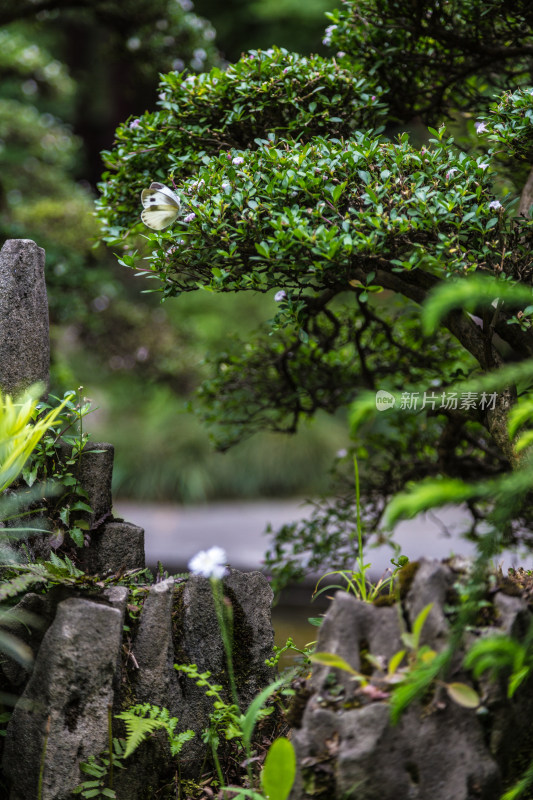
496	205
279	296
484	166
135	123
450	172
238	160
481	127
328	33
189	217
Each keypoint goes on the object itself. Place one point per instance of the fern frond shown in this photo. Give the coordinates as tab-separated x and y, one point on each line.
19	584
138	728
177	742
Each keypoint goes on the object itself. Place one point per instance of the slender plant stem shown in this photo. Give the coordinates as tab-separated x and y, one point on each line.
43	760
360	557
217	766
221	612
226	631
110	742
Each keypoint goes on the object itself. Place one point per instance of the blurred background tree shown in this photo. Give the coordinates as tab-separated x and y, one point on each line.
70	72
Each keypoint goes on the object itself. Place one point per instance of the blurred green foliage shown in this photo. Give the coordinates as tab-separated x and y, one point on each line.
243	25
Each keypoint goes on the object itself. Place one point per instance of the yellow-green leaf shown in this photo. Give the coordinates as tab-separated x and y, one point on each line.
332	660
463	695
279	771
395	661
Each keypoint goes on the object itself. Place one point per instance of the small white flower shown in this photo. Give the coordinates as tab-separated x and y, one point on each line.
279	296
189	217
342	453
484	166
451	171
209	563
496	205
238	160
481	127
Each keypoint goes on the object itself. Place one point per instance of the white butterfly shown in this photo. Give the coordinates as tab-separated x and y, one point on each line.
161	206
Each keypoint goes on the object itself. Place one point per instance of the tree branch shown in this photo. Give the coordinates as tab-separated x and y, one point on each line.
526	199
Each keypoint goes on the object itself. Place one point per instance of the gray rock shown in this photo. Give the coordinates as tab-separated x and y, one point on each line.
154	680
434	756
69	694
197	640
513	614
346	745
431	584
153	645
350	628
179	626
114	546
117	597
95	475
24	336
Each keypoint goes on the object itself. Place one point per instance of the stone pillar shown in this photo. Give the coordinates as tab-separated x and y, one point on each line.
24	338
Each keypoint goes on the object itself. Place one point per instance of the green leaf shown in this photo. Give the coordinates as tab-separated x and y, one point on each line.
251	716
419	622
332	660
520	414
76	534
79	505
463	695
425	495
279	770
395	661
516	679
525	440
476	292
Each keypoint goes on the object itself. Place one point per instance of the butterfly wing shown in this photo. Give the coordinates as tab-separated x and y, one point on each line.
159	217
161	206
